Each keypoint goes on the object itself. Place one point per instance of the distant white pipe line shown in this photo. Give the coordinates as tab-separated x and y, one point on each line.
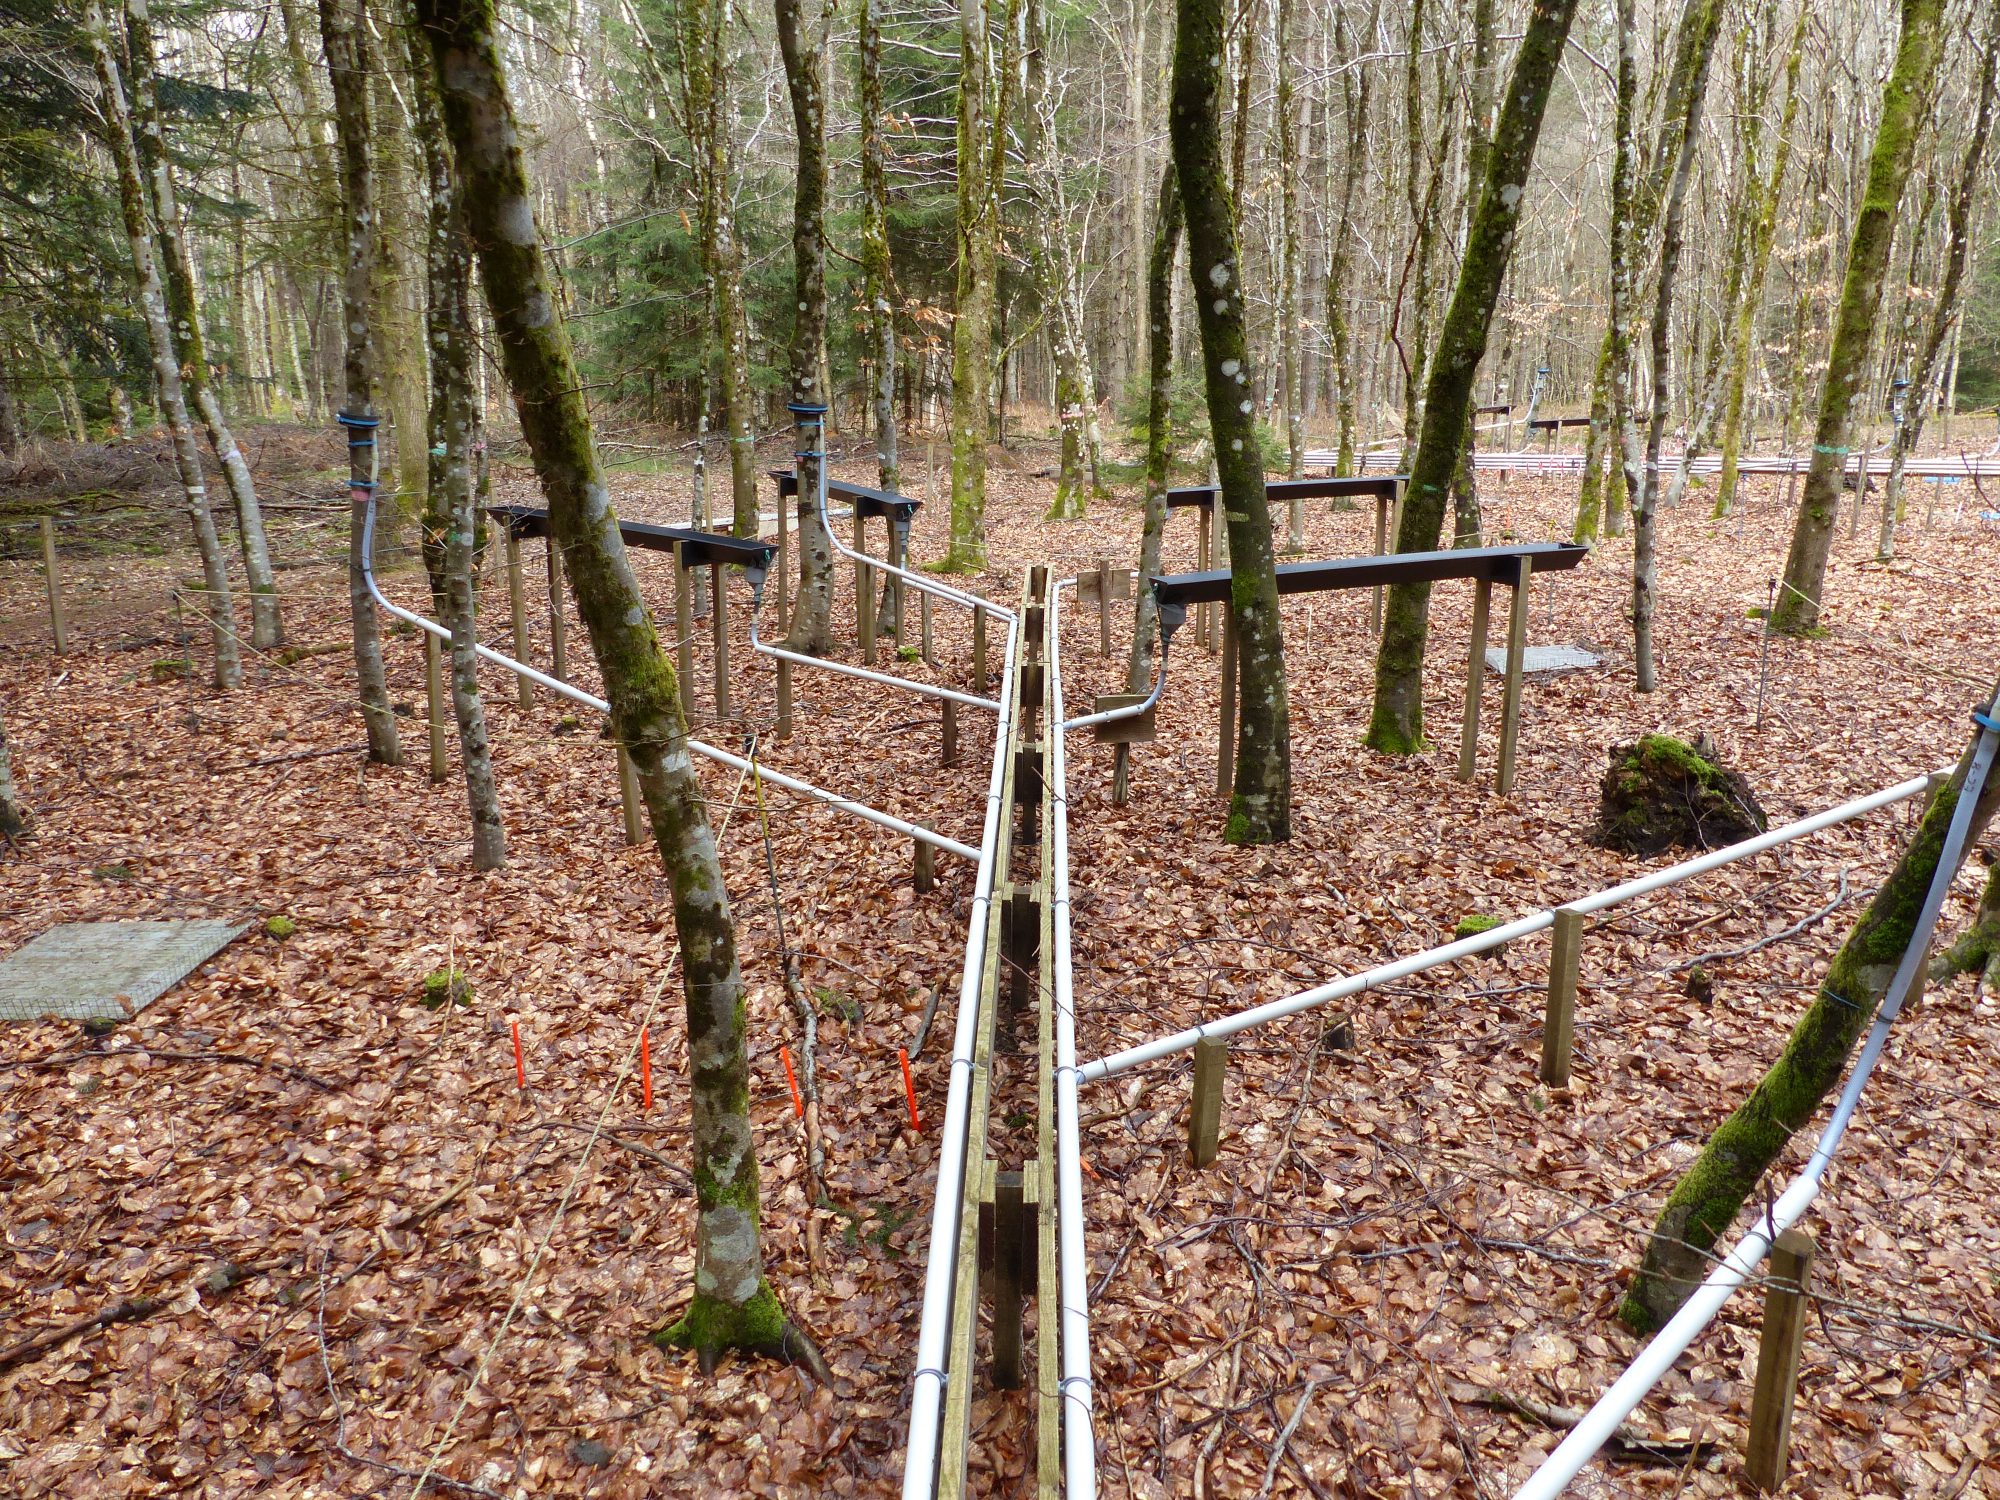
1416	963
1955	466
926	689
589	700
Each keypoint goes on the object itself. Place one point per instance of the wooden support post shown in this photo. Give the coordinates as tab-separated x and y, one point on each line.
924	615
782	573
948	733
1012	1272
1381	546
864	590
1211	1061
1204	553
558	626
718	613
978	650
434	699
1104	607
517	605
784	725
898	558
1559	1021
1121	774
926	863
1475	679
52	577
1225	727
1770	1440
1517	652
628	798
683	633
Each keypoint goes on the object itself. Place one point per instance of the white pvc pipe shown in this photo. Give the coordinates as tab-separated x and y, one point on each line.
917	581
1653	1362
843	669
1110	715
1402	968
941	1261
1073	1280
589	700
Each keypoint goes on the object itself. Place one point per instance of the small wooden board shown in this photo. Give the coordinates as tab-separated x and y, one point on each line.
1140	729
1119	581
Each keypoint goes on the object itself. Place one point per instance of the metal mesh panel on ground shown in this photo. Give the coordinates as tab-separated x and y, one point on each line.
104	971
1544	659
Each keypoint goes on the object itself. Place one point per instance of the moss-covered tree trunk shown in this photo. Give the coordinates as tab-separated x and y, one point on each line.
266	627
1466	523
1354	85
1905	101
724	255
1945	308
1706	1199
344	33
978	234
1396	726
877	285
1260	811
1763	236
799	42
450	516
1596	445
1285	122
1978	951
116	117
1159	423
14	819
733	1306
1687	88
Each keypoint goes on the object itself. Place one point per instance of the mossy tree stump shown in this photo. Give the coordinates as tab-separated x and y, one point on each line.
1661	793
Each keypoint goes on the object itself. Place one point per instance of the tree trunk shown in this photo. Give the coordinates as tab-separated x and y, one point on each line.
345	35
1396	726
1261	808
152	300
266	628
733	1306
732	319
1286	124
979	134
877	287
14	819
1686	90
1944	311
1708	1195
1339	330
1596	445
10	411
450	516
1159	425
812	616
1763	235
1466	526
1905	101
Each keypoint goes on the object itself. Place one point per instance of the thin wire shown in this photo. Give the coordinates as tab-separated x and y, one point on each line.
569	1192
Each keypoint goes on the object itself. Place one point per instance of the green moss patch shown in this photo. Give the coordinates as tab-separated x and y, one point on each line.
1661	793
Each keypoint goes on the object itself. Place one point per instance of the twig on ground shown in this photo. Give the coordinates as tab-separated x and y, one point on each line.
1285	1436
239	1058
224	1278
1626	1442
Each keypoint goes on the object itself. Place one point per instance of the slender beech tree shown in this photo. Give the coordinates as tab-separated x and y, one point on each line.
1596	443
1478	145
982	139
1687	87
1285	123
733	1306
1260	810
450	514
14	819
1763	235
1354	83
1718	1183
267	631
1905	101
723	257
1945	309
116	117
1159	424
1397	723
349	59
877	281
799	41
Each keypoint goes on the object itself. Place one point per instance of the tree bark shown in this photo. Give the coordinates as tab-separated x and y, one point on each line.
1466	527
1260	809
1904	103
812	616
450	515
139	234
733	1306
979	135
1339	326
1945	310
1159	425
14	818
1286	124
1590	498
877	285
267	631
1709	1194
1396	726
344	33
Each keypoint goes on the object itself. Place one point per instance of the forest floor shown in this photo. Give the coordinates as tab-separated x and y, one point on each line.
1397	1237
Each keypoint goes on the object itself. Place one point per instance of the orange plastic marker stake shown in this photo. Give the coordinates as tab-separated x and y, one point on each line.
910	1089
645	1071
798	1104
520	1064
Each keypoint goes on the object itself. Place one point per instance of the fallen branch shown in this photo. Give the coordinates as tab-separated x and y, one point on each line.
296	755
1768	939
617	1140
241	1059
1627	1442
221	1280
